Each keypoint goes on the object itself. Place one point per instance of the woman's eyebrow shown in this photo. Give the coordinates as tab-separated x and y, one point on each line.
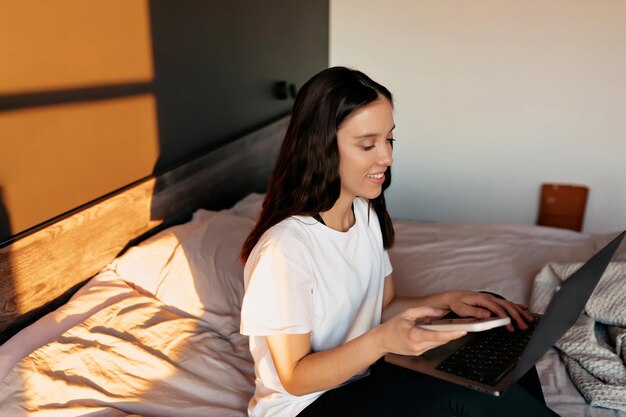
371	135
367	135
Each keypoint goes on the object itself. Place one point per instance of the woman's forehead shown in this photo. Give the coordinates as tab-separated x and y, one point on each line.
372	119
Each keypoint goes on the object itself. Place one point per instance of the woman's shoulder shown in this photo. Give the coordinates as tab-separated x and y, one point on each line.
285	239
289	230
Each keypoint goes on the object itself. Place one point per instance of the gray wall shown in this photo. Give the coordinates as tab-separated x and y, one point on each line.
216	63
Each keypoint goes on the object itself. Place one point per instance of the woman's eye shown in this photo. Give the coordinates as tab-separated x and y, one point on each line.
367	147
391	141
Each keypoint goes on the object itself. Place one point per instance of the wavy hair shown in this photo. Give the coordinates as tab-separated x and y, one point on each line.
305	179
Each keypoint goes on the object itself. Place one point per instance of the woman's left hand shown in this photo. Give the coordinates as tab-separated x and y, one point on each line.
476	304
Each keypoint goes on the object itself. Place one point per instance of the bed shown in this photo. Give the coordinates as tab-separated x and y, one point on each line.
142	316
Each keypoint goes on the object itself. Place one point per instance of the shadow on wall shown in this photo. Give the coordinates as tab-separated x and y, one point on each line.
217	66
5	225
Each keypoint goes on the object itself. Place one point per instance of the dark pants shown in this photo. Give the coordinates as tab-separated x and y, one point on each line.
390	390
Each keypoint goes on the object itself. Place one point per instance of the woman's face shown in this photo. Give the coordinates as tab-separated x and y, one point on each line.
365	149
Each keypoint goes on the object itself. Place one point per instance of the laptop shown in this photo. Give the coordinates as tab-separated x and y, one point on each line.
492	360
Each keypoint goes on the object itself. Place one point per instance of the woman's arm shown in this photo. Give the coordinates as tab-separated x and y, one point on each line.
393	304
462	302
302	371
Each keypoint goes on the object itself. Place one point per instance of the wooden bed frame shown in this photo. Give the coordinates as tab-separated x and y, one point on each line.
40	271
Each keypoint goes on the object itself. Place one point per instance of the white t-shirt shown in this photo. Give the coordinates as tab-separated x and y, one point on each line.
305	277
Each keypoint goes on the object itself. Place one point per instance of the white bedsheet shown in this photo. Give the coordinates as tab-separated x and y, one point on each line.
136	356
431	257
164	342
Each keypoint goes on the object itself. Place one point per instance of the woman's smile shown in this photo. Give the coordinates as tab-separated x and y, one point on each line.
376	178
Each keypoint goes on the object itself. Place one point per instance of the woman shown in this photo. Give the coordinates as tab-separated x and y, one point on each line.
318	276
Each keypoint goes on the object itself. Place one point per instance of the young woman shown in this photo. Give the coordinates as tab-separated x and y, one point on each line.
318	276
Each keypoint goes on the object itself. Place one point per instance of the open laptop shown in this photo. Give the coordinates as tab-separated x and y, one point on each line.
492	360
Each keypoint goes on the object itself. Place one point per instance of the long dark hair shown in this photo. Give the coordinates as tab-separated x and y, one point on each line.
305	180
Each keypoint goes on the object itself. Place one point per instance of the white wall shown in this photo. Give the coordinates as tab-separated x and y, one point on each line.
492	99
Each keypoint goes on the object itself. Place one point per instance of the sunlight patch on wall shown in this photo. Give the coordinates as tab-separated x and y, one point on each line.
57	158
65	44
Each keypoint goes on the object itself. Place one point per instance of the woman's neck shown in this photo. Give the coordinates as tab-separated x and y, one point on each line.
341	216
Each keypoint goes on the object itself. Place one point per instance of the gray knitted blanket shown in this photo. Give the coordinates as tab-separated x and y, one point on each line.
594	349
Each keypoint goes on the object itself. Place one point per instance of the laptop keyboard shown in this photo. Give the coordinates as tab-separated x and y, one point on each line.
489	356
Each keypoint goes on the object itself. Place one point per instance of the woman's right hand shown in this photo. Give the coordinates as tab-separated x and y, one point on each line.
400	334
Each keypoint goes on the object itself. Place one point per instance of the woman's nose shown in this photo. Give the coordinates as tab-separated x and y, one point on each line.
385	157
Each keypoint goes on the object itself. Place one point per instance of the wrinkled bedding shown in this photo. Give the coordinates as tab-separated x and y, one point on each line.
156	333
137	356
593	348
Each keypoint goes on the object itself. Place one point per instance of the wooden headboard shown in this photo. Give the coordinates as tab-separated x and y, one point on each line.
40	271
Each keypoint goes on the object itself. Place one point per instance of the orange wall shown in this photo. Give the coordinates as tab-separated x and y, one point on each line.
56	157
52	45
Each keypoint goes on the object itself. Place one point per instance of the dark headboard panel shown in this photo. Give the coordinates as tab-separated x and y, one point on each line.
42	269
216	63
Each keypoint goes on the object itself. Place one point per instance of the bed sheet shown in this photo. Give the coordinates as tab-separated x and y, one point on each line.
136	356
159	334
155	333
433	257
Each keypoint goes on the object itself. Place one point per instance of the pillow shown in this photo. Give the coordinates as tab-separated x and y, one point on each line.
248	207
194	267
